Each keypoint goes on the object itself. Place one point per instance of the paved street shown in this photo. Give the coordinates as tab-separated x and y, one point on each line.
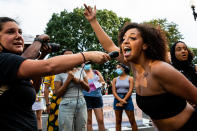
146	127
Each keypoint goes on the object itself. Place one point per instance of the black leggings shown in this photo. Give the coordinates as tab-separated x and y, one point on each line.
191	124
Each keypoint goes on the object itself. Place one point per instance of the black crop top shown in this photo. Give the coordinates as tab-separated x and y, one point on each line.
161	106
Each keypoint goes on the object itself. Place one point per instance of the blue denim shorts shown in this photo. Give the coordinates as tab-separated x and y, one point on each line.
129	106
94	102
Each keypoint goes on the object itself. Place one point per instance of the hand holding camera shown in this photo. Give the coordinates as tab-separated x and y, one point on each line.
44	39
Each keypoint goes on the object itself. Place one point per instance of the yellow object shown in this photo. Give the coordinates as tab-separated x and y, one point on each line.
50	80
51	117
58	101
57	111
56	122
50	128
54	97
53	106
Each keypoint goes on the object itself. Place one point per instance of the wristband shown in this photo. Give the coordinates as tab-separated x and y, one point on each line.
47	104
40	40
84	59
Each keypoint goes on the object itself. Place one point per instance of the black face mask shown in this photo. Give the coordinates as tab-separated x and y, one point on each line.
7	51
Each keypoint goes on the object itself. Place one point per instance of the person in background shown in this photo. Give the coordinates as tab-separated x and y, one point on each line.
38	107
72	109
181	59
16	91
122	88
94	98
161	90
52	104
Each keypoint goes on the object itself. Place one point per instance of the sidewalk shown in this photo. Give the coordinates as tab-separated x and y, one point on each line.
146	126
142	119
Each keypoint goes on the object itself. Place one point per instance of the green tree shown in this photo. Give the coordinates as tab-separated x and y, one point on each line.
194	50
72	30
170	29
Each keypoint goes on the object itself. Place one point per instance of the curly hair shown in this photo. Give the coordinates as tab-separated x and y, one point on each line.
153	37
4	20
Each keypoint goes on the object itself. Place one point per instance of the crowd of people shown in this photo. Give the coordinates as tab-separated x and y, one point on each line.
165	90
162	91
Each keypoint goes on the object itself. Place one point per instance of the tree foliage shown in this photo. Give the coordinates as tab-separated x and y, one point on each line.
170	29
194	50
71	29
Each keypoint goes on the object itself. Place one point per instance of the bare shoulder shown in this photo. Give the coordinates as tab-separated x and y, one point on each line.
160	68
114	79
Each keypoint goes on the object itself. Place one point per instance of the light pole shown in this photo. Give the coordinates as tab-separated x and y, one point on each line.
192	2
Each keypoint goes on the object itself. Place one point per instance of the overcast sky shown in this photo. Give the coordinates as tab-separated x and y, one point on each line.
34	14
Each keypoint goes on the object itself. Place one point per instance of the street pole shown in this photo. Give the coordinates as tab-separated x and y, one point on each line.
192	4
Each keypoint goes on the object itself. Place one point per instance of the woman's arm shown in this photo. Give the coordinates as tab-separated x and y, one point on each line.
61	88
173	81
58	64
101	79
46	96
33	50
130	89
103	38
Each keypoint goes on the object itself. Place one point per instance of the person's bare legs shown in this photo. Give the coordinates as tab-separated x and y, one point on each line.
99	117
39	119
89	121
118	114
132	121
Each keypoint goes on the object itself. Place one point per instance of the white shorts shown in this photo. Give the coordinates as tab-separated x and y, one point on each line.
38	105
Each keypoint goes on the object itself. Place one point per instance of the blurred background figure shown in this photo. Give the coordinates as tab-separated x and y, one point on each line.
181	59
38	107
122	88
93	98
52	103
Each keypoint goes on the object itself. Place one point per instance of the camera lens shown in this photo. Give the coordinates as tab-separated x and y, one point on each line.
54	47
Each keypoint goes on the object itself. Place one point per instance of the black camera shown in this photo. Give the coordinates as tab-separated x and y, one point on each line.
54	47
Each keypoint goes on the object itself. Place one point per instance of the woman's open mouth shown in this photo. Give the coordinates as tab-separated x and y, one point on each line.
127	51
